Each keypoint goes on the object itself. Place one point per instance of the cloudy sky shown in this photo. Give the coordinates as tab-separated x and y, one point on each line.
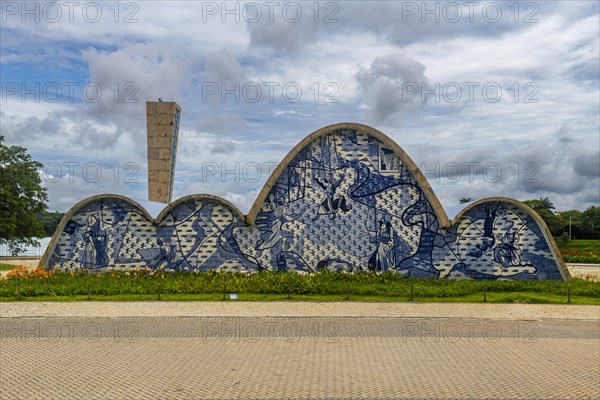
488	98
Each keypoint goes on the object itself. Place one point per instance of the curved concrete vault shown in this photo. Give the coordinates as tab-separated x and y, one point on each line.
347	197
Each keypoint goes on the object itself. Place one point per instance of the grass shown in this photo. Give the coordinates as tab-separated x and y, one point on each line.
580	251
7	267
275	286
493	298
584	246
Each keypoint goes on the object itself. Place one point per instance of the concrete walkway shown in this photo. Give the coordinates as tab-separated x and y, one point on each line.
348	309
590	272
277	350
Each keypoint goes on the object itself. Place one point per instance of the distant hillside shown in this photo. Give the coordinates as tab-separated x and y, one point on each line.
50	221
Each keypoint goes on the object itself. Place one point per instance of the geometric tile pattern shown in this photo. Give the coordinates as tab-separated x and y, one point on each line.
346	201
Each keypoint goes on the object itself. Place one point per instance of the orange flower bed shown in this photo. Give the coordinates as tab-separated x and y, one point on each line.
23	271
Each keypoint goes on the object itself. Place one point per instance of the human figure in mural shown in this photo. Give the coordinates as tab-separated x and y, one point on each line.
202	256
271	232
167	258
96	242
75	232
331	204
506	253
487	238
502	248
384	258
119	228
273	236
202	233
343	203
389	161
168	253
329	175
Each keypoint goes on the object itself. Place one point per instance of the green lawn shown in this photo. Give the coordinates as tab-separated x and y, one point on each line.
580	251
273	286
584	246
6	267
513	297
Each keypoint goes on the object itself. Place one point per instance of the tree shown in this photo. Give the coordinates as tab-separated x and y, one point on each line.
22	198
543	203
584	225
49	221
591	221
564	238
546	203
543	206
572	220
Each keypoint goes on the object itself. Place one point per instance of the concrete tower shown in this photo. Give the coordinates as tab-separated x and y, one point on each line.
162	120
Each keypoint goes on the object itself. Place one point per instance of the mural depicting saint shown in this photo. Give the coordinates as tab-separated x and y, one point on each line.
506	253
384	258
95	244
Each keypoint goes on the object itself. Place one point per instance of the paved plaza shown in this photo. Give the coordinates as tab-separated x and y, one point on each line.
330	350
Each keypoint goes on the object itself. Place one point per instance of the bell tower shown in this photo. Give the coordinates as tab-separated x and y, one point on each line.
162	121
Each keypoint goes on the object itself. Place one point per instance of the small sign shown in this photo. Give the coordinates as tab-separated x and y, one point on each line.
233	296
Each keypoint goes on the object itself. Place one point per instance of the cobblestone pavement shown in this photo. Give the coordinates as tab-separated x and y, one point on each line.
298	357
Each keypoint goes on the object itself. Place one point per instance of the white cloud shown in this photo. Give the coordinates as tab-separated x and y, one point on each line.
367	54
387	83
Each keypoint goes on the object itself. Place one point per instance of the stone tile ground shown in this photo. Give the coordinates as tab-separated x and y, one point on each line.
298	357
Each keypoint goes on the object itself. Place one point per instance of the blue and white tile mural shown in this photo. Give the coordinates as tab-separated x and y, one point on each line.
346	201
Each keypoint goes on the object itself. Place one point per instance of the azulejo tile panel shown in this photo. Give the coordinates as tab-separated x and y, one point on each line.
348	200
